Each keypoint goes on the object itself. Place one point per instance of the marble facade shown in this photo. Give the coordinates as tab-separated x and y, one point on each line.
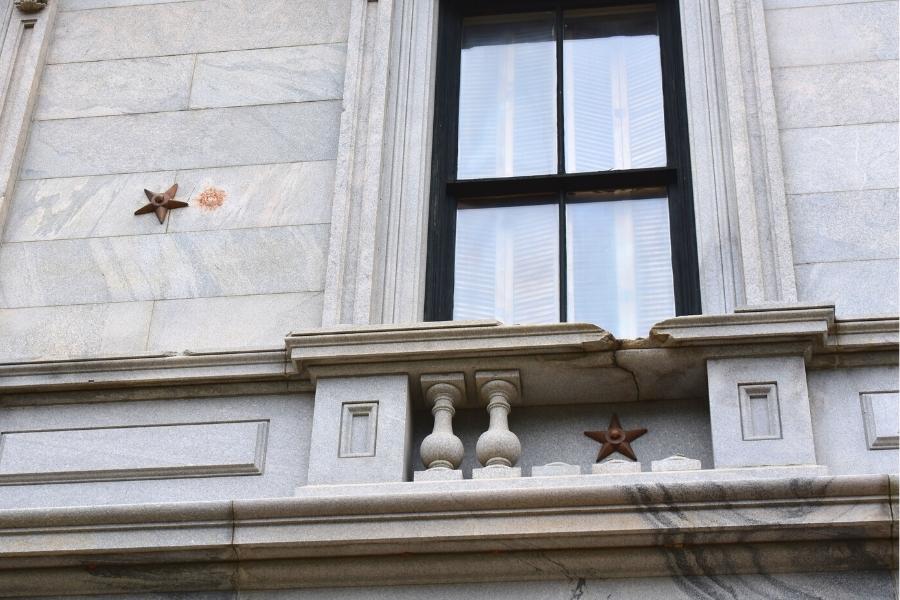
243	403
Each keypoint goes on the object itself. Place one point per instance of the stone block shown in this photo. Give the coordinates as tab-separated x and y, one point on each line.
164	267
844	226
269	76
858	288
183	140
255	196
675	463
198	449
83	207
350	445
555	469
837	33
846	158
837	401
760	412
231	321
54	332
91	89
615	466
68	5
496	472
438	475
157	29
843	94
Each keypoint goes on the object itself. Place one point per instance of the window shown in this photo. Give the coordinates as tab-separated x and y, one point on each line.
560	176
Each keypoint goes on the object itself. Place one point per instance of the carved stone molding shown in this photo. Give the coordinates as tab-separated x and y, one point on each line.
24	39
31	6
376	267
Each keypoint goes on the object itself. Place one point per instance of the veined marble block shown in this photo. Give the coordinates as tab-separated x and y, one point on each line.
361	430
198	26
195	139
269	76
760	412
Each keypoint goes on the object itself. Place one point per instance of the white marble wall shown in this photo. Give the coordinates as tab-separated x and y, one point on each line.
244	97
834	67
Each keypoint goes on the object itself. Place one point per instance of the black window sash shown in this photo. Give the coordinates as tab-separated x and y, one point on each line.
447	190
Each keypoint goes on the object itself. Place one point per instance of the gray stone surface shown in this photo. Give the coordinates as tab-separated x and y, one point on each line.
82	207
837	159
74	331
165	266
257	321
555	433
838	423
834	586
390	461
496	472
438	475
155	29
675	463
256	196
858	288
836	33
841	226
286	452
555	469
66	5
182	140
269	76
615	466
733	446
836	94
118	87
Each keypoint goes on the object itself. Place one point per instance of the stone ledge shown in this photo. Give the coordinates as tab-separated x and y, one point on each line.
417	536
670	364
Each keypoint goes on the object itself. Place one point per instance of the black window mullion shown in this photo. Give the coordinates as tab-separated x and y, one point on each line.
561	165
563	261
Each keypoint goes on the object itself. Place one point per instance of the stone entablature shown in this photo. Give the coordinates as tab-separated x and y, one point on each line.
325	425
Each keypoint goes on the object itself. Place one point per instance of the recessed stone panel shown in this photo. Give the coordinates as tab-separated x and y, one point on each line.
134	452
881	418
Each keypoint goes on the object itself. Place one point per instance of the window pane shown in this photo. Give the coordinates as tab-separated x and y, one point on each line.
507	264
620	264
612	91
507	97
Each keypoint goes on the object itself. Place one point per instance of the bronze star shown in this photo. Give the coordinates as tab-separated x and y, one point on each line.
161	204
615	439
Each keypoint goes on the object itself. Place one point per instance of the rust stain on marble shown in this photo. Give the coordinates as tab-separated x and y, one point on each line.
211	198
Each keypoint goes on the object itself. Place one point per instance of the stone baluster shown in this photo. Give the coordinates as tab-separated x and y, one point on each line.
442	451
498	448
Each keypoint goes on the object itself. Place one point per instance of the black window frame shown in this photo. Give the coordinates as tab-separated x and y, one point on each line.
447	191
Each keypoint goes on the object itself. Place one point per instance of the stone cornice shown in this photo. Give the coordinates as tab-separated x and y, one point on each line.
414	533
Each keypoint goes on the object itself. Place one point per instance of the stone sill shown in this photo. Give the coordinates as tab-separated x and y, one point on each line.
491	531
669	365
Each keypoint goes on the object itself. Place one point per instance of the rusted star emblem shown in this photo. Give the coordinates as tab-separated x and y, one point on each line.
161	204
615	439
